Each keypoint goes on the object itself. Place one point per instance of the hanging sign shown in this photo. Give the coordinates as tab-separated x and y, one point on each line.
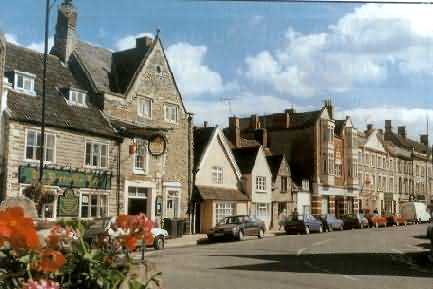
157	145
68	204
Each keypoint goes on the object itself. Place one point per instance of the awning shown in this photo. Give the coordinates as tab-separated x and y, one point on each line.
219	194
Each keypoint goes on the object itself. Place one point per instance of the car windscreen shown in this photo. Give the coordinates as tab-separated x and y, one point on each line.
230	220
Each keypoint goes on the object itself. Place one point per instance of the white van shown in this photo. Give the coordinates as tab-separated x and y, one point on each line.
415	212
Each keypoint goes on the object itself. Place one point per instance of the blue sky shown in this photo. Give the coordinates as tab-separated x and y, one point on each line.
374	61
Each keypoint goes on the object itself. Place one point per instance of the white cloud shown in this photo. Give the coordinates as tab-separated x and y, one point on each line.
11	38
415	119
128	41
193	76
363	47
39	46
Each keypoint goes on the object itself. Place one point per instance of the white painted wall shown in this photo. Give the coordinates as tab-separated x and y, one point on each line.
304	199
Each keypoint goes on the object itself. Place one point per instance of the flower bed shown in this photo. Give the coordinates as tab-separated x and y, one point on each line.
63	260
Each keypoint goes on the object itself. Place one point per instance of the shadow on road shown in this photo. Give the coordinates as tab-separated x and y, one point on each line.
407	265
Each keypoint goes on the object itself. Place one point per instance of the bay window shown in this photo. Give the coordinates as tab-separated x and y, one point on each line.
223	210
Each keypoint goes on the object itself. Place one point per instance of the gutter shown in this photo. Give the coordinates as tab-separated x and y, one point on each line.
190	177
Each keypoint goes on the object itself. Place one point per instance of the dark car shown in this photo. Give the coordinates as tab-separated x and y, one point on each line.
307	225
237	227
330	223
355	222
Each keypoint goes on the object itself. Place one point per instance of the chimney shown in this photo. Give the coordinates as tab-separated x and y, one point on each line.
288	112
402	131
254	121
65	38
261	135
424	139
330	107
205	124
235	131
369	127
143	43
388	126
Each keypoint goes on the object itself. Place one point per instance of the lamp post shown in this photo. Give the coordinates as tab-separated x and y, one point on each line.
44	92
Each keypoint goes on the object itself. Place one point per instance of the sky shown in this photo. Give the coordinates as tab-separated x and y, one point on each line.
374	61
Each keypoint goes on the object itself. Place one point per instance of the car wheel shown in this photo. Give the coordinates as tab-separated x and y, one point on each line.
210	238
261	234
320	229
307	230
241	236
159	243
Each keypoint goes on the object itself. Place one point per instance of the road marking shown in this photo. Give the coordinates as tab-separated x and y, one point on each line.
414	247
322	242
350	278
300	251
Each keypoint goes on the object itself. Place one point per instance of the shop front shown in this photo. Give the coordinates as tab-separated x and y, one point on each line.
73	193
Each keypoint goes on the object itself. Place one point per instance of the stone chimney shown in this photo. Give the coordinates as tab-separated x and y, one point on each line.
143	43
388	126
261	135
254	121
369	127
235	131
402	131
65	38
424	139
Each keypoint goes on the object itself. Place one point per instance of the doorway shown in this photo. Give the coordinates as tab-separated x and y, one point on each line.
138	200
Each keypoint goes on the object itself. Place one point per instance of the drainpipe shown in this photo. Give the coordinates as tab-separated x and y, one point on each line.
118	177
190	216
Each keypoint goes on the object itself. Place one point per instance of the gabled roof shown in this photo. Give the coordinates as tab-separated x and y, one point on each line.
202	138
246	158
275	162
219	194
59	113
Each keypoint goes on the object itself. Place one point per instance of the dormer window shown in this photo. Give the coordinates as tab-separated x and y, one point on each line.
25	82
77	98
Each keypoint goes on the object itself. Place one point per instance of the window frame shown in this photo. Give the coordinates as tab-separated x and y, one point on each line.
140	102
261	185
90	194
168	105
100	154
145	169
75	102
284	186
47	134
217	175
26	76
221	213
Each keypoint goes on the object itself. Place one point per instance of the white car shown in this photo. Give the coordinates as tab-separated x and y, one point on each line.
415	212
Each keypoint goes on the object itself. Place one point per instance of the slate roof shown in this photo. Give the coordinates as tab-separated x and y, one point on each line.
274	162
128	129
304	119
27	108
111	71
339	125
202	137
407	143
246	158
219	194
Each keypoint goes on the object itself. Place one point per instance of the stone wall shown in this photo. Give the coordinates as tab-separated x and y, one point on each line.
70	152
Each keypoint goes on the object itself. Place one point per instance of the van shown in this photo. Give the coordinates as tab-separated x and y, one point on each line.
415	212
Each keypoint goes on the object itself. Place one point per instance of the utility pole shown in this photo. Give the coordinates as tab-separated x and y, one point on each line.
44	92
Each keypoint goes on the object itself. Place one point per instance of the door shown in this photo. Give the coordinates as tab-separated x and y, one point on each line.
172	204
137	200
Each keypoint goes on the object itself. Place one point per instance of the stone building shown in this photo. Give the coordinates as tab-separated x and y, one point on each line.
315	150
117	114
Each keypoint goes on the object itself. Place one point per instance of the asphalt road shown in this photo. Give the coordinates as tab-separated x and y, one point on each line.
393	257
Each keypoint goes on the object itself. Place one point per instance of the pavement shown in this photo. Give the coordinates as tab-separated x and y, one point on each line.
392	257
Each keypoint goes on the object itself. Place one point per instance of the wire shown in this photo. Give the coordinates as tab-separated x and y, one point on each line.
324	1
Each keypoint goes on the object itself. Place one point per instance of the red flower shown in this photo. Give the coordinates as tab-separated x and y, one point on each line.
122	221
50	261
19	231
130	242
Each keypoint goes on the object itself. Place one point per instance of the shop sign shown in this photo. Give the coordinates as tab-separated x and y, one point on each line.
157	145
66	178
68	204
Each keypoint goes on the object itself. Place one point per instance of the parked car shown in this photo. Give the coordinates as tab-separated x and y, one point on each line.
396	220
358	221
306	225
238	227
415	212
376	220
330	223
99	229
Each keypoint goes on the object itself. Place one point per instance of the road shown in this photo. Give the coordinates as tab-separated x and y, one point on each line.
393	257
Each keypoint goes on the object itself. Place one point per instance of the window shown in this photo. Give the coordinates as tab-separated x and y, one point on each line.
140	159
33	146
96	155
262	211
145	108
284	182
338	170
77	98
170	113
217	175
260	183
223	210
25	82
94	206
172	204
